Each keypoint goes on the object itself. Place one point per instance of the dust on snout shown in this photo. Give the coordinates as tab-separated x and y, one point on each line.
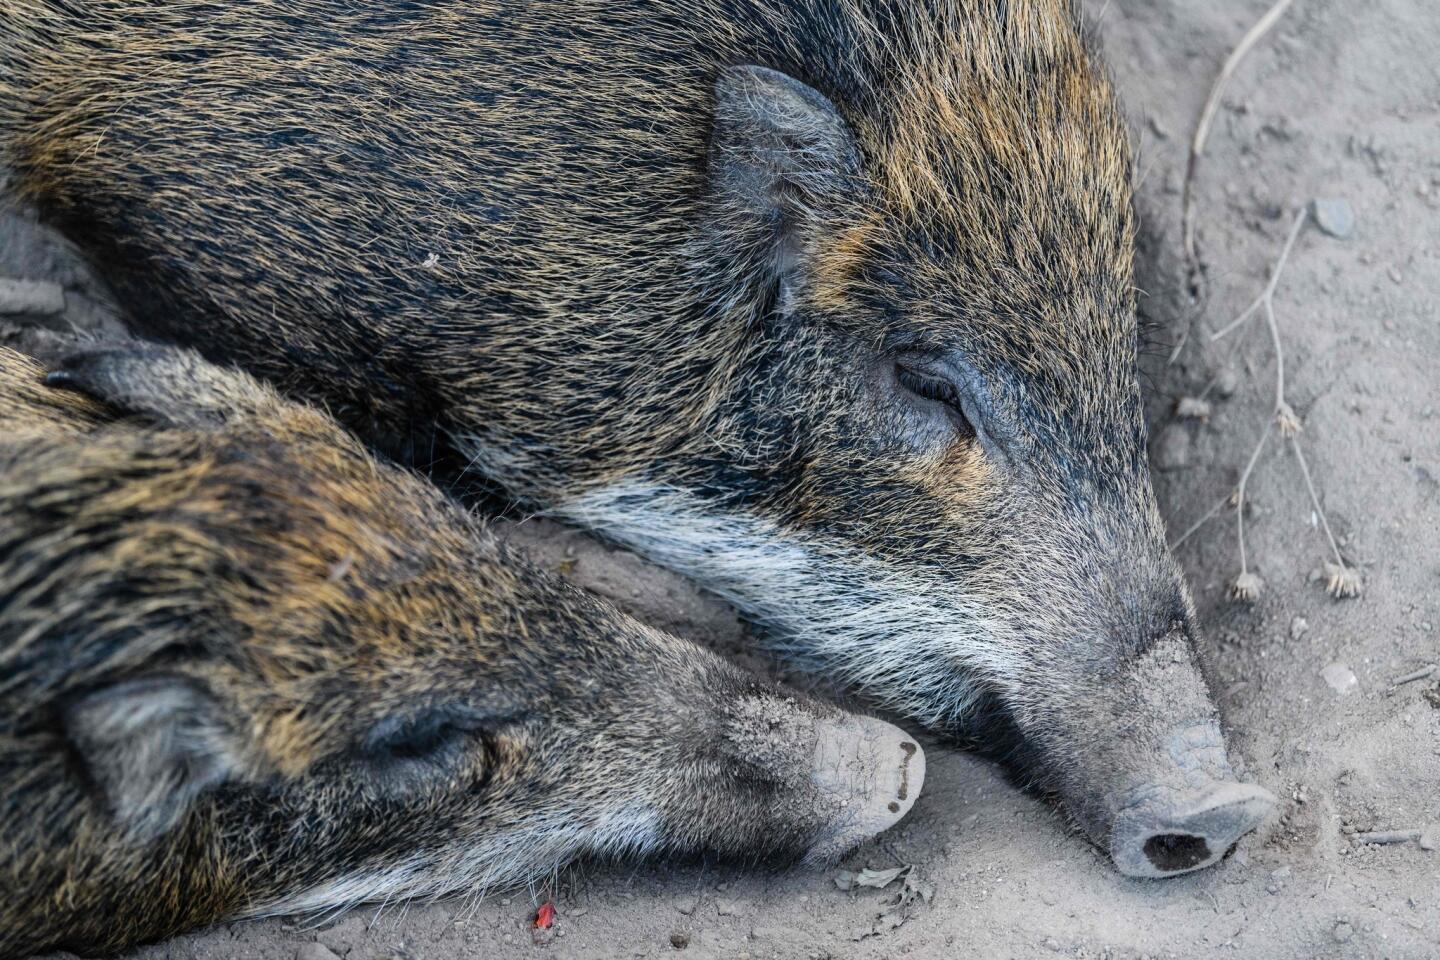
867	774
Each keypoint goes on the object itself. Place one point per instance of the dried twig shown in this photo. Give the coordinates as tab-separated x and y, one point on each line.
1247	586
1414	675
1207	117
1267	295
1341	580
1388	836
1204	519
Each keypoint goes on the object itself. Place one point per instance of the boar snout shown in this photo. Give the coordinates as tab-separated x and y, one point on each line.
1168	831
1151	782
868	773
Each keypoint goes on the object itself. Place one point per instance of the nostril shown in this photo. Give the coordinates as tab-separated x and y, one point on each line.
1176	851
1170	832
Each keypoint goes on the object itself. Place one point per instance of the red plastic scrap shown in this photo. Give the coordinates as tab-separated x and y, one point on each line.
545	916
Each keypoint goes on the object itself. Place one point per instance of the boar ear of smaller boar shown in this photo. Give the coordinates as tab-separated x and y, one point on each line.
168	386
151	746
783	164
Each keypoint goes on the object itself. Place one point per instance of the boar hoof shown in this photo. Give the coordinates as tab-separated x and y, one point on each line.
1168	835
868	774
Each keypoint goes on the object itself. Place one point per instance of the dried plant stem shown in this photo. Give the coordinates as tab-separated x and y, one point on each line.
1422	674
1205	518
1240	492
1342	582
1229	358
1315	501
1281	416
1268	294
1280	405
1207	117
1245	314
1388	836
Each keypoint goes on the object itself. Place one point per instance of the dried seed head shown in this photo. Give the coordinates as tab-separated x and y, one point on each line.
1342	581
1247	587
1193	408
1287	421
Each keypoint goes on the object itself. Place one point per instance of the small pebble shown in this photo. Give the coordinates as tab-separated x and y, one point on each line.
1343	932
1334	216
1298	626
728	908
31	297
1340	678
1227	381
679	940
1278	879
315	951
1430	837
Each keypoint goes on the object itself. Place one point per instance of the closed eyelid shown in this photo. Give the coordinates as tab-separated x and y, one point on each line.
993	427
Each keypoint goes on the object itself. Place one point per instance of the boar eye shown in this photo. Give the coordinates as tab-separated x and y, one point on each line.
433	738
930	387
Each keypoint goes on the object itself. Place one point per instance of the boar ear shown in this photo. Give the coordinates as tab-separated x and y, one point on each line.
170	386
782	165
151	746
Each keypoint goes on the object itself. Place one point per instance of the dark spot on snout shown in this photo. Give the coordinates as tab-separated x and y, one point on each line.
894	807
908	749
1176	851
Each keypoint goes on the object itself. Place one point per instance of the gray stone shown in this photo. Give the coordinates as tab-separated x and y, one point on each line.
1340	678
1334	216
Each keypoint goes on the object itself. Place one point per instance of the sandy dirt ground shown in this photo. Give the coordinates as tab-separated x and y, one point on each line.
1340	102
